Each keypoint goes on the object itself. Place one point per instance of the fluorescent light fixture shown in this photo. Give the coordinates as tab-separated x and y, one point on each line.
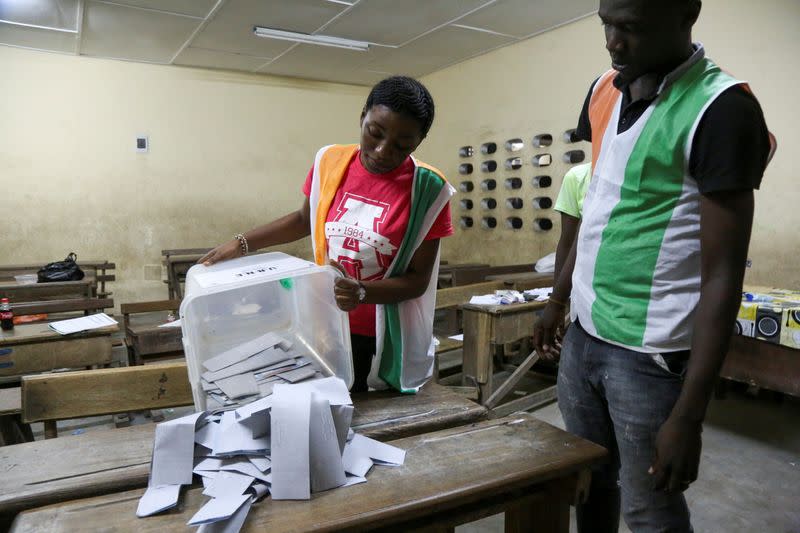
322	40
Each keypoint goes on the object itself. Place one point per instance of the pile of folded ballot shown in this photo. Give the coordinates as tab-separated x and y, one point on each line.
506	297
293	441
250	370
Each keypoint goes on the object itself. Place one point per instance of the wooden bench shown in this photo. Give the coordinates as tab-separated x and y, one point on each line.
178	262
520	465
12	429
467	276
53	397
143	337
98	462
99	271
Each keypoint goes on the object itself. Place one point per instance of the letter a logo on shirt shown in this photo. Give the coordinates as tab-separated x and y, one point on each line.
354	238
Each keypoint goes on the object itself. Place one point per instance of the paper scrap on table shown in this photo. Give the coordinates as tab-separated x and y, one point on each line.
228	483
486	299
325	456
173	451
232	525
173	324
459	337
242	351
218	509
157	499
84	323
291	418
377	451
234	438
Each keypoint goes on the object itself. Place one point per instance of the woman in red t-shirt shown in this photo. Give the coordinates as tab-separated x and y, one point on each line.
368	216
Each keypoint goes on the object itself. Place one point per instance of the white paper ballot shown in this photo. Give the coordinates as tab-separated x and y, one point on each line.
259	490
298	374
228	483
173	324
173	452
242	351
207	464
157	499
459	337
342	418
262	463
255	362
243	466
377	451
356	462
238	386
232	525
290	419
325	456
207	435
258	406
84	323
331	388
218	509
354	480
234	438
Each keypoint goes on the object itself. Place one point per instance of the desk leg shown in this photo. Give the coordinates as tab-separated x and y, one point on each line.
546	515
478	361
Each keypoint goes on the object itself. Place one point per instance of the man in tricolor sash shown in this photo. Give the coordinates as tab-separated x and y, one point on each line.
655	276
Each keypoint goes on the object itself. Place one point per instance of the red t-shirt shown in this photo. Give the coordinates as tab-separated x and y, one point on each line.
372	212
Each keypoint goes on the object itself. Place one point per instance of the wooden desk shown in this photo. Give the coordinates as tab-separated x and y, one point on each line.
30	348
763	364
178	263
487	325
146	338
85	288
99	462
521	277
519	465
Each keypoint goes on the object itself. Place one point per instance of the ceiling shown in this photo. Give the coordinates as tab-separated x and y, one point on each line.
413	37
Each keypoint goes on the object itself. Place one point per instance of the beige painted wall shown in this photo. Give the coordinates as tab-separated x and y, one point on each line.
228	151
539	86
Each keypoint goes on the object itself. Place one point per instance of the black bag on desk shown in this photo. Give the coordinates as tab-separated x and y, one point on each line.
66	270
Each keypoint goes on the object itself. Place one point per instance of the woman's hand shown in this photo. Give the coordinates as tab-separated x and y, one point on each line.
345	289
229	250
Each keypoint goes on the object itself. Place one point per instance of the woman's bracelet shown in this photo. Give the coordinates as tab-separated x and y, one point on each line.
557	302
243	243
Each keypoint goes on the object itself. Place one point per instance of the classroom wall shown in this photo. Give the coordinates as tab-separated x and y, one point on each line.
228	151
539	85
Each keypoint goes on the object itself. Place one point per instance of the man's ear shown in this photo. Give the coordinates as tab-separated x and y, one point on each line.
692	14
363	114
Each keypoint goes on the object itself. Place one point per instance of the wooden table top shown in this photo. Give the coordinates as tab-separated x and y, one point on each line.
88	280
509	309
442	470
520	276
41	332
98	462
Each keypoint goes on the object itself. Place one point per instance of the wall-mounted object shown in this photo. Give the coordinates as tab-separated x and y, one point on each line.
489	166
542	181
488	203
514	223
489	223
513	183
465	222
513	163
489	185
466	186
542	224
465	168
542	160
514	203
488	148
514	145
542	202
543	139
465	151
573	157
466	204
571	136
142	144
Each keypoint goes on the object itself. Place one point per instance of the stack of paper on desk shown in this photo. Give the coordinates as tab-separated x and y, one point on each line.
289	444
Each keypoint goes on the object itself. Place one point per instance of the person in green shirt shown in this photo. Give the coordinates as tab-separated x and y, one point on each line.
570	205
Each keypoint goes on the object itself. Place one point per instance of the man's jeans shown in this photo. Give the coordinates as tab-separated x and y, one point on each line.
618	399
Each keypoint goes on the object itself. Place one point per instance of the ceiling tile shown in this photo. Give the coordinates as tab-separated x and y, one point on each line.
200	57
61	14
195	8
54	41
393	22
320	63
522	18
126	33
231	29
436	50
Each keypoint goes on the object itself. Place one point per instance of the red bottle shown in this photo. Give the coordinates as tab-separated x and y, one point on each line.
6	315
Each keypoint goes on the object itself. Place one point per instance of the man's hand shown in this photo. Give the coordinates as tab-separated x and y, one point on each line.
545	332
345	289
677	455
